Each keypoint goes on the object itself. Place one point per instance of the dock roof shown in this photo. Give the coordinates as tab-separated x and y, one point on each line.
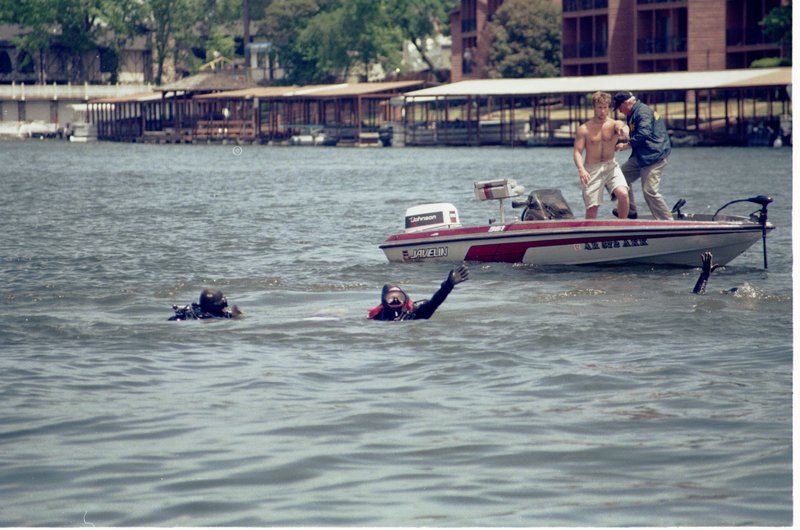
141	97
314	91
612	83
208	82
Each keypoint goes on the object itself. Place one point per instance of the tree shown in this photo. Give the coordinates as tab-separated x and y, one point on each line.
35	16
777	26
419	20
219	44
525	40
125	19
366	37
170	22
323	40
81	31
283	21
75	25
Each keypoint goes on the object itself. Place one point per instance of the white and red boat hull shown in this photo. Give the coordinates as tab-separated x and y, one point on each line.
582	242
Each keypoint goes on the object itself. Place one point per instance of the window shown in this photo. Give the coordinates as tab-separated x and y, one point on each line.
5	63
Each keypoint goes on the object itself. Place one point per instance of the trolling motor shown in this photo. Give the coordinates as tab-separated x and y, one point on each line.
759	216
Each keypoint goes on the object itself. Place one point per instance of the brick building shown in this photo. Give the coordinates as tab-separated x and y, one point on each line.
601	37
637	36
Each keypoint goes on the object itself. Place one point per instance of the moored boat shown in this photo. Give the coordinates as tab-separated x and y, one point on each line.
547	233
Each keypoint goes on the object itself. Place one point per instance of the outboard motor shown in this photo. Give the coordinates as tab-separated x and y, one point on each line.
543	205
498	190
426	217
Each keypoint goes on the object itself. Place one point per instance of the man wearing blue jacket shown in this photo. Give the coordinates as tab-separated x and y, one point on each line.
651	148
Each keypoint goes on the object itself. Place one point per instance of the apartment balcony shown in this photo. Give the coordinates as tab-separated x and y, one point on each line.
583	50
648	46
751	36
584	5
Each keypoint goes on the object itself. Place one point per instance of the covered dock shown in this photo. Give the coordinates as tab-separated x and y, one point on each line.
162	115
738	107
345	113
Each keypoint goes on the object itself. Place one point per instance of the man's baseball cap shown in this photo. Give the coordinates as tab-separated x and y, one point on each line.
620	98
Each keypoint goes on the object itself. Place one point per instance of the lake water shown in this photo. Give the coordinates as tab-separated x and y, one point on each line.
569	396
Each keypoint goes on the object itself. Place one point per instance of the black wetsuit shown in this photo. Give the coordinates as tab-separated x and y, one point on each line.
706	268
422	310
194	312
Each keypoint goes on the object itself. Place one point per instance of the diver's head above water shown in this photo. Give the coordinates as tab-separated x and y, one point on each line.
213	301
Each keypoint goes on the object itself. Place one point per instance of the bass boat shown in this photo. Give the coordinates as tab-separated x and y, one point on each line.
547	233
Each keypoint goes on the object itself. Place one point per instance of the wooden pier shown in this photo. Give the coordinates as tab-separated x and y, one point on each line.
731	107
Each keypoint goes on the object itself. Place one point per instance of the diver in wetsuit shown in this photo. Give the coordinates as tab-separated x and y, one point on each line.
707	267
396	304
213	304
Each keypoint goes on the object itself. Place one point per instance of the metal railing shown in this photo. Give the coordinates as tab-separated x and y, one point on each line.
585	49
745	36
662	45
584	5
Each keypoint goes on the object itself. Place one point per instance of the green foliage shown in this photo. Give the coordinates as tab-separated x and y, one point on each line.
36	16
369	35
778	25
219	44
124	20
170	23
77	20
216	20
78	26
313	40
526	40
771	62
323	40
418	20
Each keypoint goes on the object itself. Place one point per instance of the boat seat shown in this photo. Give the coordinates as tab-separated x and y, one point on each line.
547	204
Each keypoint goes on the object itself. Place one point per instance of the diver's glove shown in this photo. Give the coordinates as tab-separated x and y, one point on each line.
706	268
458	275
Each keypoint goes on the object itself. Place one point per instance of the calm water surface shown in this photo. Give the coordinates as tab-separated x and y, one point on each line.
534	397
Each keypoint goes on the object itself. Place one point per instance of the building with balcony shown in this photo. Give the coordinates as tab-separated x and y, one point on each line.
56	64
469	27
602	37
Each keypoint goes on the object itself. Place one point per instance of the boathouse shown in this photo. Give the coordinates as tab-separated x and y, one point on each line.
163	115
739	107
731	107
344	114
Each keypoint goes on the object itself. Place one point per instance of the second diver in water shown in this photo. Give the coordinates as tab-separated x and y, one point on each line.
212	304
396	304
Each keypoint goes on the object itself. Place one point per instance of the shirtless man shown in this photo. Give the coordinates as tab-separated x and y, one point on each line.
598	137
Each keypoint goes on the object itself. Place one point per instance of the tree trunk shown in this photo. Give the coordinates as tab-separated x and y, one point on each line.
246	33
438	74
